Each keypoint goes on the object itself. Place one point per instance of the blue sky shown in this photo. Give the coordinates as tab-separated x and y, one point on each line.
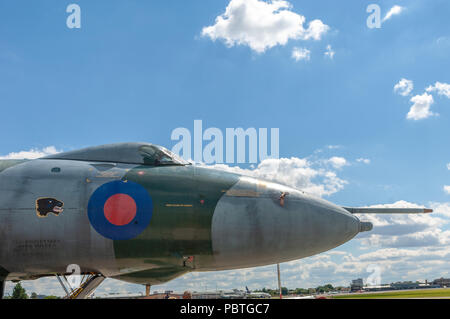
136	70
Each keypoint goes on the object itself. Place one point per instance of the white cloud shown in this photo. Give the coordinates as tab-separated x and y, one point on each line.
430	237
32	153
315	30
262	25
440	88
407	230
301	54
421	103
363	160
442	209
421	107
395	10
329	52
337	162
448	166
447	189
394	254
404	87
313	177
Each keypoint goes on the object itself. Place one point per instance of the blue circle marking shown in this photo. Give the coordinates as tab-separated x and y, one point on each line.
144	210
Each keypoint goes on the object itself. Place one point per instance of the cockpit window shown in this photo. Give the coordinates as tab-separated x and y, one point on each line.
131	153
158	155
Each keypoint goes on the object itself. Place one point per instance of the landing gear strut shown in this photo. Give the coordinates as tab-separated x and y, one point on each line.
87	286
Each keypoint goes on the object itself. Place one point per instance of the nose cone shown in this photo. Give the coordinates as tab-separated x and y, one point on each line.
258	223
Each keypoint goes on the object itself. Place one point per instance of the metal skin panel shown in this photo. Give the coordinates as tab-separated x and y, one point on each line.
251	228
32	246
4	164
184	199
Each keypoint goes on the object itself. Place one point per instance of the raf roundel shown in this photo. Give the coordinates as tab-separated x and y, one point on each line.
120	210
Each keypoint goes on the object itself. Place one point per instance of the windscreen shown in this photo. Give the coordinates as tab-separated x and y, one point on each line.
158	155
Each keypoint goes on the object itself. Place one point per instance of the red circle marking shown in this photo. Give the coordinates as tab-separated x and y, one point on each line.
120	209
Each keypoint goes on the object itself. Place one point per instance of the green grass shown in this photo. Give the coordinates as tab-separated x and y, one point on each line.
420	293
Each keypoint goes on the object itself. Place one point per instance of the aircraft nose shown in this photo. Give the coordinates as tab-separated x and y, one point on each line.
259	223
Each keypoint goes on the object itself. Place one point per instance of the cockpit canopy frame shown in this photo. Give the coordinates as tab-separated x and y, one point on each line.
130	153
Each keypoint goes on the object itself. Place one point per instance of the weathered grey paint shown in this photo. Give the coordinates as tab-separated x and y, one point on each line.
35	246
5	164
250	227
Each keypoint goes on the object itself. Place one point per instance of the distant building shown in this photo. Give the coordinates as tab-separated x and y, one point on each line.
357	285
442	282
405	285
162	296
206	295
378	288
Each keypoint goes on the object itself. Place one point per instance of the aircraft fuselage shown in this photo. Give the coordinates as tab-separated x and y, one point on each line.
149	224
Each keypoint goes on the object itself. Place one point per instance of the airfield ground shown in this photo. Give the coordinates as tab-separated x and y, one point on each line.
439	293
